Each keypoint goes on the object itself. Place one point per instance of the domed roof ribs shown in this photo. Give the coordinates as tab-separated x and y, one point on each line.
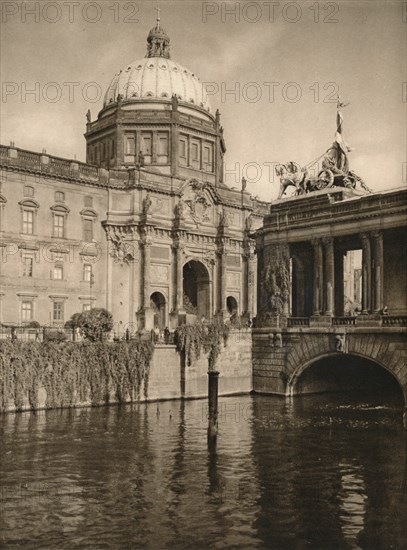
158	41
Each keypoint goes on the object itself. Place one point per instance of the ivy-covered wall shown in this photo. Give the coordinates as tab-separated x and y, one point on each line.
71	373
37	375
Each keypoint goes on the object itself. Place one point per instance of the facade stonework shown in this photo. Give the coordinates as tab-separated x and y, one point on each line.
146	228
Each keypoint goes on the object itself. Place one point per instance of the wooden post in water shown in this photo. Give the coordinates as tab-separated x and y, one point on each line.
213	377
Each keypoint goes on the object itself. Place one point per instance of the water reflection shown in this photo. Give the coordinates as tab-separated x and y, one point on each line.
316	472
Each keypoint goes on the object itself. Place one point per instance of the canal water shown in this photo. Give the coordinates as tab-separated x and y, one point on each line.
323	471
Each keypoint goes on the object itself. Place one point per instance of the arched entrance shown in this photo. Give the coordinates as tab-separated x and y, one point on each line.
196	289
345	373
157	304
231	305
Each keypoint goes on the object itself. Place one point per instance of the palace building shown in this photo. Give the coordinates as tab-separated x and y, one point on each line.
147	227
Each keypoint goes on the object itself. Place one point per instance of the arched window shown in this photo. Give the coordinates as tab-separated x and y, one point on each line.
59	214
88	222
29	209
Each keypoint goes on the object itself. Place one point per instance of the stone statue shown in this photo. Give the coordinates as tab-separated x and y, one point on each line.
146	203
217	117
88	117
140	159
179	210
174	101
340	342
278	340
249	223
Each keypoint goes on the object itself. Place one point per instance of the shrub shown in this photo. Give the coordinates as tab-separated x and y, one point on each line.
95	324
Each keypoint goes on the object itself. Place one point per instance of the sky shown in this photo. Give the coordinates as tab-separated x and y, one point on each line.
285	61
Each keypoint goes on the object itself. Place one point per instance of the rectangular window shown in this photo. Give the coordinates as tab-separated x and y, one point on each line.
86	307
88	230
130	146
195	155
182	148
26	310
28	222
183	160
59	225
147	147
130	149
162	148
58	311
58	273
194	151
28	264
87	273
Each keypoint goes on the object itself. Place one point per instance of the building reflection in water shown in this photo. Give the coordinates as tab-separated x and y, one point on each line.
317	472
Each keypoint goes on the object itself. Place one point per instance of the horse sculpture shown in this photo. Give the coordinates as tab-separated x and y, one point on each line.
335	167
293	175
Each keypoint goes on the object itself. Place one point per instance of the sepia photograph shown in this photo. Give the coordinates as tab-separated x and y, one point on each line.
203	289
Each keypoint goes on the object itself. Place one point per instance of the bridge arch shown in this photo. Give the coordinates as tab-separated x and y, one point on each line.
377	349
343	371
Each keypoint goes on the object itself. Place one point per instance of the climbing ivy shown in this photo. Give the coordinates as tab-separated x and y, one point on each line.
206	336
72	373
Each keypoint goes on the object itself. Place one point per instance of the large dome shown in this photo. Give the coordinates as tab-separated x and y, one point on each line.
157	78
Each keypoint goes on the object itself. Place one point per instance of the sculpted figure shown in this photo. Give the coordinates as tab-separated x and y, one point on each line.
340	340
146	204
141	159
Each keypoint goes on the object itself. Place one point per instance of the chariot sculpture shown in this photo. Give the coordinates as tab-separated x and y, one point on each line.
334	170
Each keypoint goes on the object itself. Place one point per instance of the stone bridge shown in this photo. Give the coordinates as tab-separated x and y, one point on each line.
332	296
281	357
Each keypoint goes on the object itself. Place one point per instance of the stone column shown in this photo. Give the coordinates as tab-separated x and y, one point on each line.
329	276
180	277
222	281
378	271
146	273
251	283
318	277
366	274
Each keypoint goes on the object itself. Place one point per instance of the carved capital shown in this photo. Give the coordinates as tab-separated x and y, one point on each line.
377	235
328	241
365	240
146	242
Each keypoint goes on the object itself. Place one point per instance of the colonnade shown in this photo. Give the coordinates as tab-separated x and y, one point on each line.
326	260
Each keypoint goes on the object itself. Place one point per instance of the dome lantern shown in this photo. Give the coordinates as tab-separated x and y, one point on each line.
158	41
